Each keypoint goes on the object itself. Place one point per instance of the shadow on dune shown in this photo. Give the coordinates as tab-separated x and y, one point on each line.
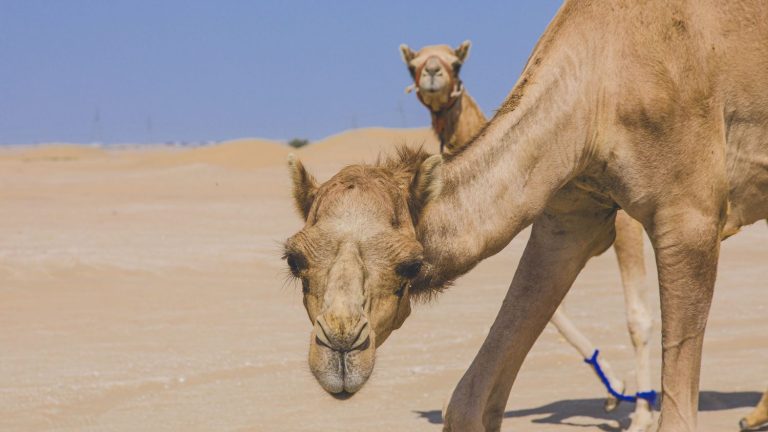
561	411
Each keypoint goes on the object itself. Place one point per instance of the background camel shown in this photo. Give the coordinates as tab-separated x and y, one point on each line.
668	122
456	119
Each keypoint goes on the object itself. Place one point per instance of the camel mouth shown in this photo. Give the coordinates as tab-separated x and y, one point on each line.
342	395
432	85
431	89
341	373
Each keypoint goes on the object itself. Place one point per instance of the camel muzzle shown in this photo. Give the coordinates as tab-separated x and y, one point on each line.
342	361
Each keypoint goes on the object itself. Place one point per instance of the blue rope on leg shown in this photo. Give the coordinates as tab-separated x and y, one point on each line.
650	395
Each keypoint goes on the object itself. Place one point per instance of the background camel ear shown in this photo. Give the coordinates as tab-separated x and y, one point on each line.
406	53
304	186
462	52
427	183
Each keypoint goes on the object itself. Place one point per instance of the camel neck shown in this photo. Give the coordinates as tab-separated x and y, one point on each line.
456	125
496	185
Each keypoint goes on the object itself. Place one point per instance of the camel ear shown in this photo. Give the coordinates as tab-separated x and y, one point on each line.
304	186
462	52
427	183
406	53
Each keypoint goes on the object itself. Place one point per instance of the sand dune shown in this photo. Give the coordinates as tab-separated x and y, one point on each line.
245	153
52	152
365	145
353	146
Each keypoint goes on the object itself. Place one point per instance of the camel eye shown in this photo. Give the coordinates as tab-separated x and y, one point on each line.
296	263
409	269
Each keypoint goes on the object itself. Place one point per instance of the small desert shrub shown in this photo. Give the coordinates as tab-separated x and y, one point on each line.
298	143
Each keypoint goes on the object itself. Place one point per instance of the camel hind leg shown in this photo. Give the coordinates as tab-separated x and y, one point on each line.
629	253
584	346
758	417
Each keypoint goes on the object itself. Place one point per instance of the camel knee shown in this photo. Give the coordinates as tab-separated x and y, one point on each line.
640	326
687	248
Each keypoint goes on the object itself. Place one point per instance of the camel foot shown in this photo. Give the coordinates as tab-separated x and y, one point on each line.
744	425
642	421
444	409
611	402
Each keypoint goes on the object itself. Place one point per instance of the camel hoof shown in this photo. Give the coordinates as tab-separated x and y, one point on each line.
744	426
611	403
446	401
642	421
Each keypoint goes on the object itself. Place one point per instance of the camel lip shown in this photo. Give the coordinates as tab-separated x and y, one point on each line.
342	373
342	395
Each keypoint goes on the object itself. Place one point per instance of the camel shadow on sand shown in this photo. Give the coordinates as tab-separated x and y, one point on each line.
561	412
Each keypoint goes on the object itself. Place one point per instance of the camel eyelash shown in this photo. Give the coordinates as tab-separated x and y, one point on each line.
296	263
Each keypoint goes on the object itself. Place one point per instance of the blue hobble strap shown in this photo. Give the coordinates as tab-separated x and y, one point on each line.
650	395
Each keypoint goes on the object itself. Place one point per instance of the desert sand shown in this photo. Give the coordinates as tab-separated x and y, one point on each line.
142	289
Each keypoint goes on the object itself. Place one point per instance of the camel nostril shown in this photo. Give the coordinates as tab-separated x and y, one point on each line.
362	339
322	335
364	345
321	343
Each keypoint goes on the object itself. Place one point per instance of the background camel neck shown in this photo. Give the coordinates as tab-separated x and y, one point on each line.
456	127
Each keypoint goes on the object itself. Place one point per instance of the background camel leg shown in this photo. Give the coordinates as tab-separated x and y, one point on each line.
758	417
687	246
585	347
556	252
629	253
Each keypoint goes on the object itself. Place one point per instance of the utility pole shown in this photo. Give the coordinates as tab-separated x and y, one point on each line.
96	135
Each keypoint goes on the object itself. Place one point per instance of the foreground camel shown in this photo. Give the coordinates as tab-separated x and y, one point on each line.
758	417
668	122
456	118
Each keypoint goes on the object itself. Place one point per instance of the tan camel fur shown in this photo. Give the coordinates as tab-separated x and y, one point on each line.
434	89
669	122
758	417
456	118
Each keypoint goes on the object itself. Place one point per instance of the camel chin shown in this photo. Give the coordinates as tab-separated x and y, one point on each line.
341	374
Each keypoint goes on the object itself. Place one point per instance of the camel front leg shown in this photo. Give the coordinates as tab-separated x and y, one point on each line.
758	417
559	247
629	253
687	246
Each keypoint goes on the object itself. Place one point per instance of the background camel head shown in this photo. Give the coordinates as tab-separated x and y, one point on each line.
356	257
435	72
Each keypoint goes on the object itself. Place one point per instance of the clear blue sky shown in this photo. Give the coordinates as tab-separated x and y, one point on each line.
184	70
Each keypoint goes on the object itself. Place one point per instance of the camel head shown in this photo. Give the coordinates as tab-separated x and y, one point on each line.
435	72
356	257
